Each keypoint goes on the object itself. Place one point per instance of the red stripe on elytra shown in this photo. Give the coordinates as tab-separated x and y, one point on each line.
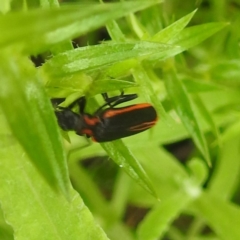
116	111
142	126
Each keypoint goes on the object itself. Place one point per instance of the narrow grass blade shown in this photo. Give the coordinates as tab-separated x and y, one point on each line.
192	36
208	117
120	154
181	101
173	30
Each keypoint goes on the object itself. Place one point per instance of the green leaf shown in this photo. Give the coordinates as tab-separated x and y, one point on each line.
192	36
99	56
120	69
30	116
63	87
120	154
206	114
137	28
173	30
182	103
34	210
46	26
82	84
115	32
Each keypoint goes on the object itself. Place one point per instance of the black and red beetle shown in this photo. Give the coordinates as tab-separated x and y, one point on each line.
108	123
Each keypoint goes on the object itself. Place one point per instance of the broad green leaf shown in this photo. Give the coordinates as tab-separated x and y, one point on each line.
120	69
99	56
173	30
34	210
224	180
46	26
162	214
120	154
63	87
182	103
222	216
84	85
31	119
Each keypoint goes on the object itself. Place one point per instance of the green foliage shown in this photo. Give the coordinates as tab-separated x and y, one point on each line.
183	61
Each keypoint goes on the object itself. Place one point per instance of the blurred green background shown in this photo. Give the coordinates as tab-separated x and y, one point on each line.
179	180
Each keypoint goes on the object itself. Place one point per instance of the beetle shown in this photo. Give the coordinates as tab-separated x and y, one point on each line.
108	123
